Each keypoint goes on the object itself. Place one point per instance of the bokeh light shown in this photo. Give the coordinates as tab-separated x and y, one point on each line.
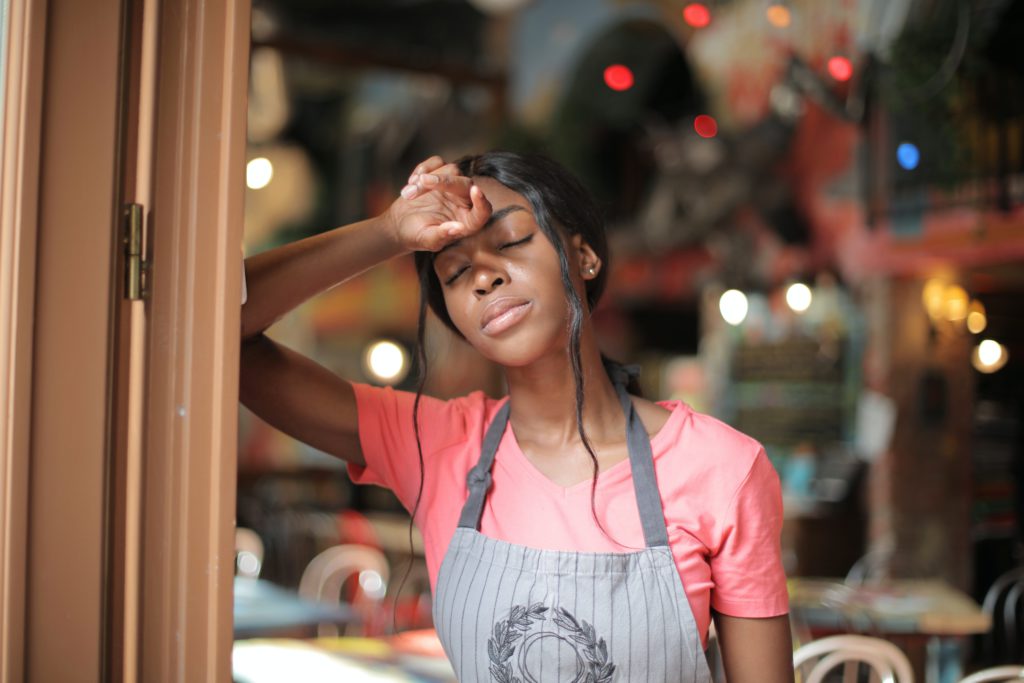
778	15
706	126
933	296
386	361
618	77
908	155
840	68
258	173
976	318
733	305
697	15
798	297
989	356
956	303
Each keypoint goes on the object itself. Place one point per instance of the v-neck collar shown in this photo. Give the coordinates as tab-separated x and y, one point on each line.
620	471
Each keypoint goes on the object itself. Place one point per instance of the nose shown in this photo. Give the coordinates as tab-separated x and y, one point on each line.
487	282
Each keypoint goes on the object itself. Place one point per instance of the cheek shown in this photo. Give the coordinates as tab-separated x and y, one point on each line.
456	310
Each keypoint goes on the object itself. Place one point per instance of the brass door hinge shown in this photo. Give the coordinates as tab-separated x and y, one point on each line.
136	268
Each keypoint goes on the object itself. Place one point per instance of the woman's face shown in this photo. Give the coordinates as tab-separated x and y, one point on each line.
502	286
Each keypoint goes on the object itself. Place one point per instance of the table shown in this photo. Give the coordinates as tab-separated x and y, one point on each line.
264	608
927	608
413	657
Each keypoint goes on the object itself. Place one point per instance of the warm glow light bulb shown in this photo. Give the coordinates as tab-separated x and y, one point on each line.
386	361
989	356
798	296
258	173
956	303
933	296
734	306
976	319
989	351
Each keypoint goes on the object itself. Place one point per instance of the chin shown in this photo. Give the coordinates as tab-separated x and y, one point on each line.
522	349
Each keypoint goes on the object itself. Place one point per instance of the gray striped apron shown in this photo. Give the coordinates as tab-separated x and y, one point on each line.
506	612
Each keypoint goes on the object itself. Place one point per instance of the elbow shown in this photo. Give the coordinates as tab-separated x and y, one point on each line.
248	330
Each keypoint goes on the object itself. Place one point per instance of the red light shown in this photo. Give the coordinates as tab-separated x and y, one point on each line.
705	126
697	15
840	68
618	77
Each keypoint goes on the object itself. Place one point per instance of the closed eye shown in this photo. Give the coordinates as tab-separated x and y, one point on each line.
456	275
518	242
460	271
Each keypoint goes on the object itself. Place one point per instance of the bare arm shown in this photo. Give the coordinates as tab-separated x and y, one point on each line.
292	392
755	650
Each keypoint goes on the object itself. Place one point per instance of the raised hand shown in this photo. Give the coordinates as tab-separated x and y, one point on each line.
437	207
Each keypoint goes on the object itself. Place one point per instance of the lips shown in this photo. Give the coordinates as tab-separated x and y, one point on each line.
502	313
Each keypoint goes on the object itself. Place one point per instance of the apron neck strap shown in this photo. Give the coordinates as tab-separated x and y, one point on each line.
641	462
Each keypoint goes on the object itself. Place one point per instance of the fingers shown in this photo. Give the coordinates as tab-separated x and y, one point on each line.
480	209
429	166
454	185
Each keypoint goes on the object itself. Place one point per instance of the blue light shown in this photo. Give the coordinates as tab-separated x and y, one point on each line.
908	155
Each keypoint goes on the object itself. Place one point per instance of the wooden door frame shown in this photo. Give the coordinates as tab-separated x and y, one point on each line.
19	196
59	300
191	422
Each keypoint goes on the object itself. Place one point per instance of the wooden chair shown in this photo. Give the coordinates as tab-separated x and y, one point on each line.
329	572
996	674
886	662
248	553
1003	643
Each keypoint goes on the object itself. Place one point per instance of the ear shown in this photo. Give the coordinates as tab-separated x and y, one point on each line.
588	263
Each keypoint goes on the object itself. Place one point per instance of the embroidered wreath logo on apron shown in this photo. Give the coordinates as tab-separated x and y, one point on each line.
592	665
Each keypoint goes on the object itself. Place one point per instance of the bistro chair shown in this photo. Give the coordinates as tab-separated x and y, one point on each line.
248	553
871	567
885	661
996	674
361	569
1003	643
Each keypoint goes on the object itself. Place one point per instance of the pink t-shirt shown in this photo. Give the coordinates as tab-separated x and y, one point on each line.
720	494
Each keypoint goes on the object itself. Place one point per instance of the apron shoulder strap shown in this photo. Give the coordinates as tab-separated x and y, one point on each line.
478	480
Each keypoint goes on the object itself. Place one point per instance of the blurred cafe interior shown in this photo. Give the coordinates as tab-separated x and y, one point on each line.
816	217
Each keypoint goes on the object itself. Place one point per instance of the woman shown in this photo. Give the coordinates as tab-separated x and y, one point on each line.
573	530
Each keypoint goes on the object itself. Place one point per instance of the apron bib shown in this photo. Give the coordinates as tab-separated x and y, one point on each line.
510	613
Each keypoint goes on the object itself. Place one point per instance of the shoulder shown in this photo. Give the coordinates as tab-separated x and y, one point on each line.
447	419
705	449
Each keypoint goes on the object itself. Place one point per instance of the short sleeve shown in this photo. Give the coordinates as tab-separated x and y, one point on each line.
388	439
747	572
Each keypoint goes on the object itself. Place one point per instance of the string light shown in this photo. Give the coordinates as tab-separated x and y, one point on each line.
778	15
618	77
798	297
733	306
908	155
697	15
706	126
989	356
976	319
258	173
840	68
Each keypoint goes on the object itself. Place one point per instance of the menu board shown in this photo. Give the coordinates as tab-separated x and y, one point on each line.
790	392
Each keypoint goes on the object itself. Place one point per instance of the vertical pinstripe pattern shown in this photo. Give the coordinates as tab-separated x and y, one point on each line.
553	622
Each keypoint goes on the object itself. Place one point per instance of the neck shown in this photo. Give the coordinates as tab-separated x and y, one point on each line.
542	399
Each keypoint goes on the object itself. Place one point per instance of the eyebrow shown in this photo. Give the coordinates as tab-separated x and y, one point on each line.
495	217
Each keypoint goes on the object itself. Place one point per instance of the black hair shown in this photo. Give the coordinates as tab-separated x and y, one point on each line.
560	205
